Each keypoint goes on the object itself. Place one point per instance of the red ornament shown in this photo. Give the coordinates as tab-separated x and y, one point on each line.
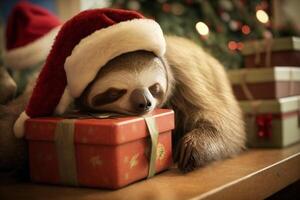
240	46
246	29
264	125
232	45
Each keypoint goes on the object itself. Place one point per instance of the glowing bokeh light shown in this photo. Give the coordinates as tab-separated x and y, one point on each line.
262	16
246	29
202	28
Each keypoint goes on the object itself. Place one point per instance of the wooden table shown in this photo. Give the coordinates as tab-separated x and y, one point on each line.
255	174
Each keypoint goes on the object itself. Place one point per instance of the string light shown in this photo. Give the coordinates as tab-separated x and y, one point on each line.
240	45
246	29
262	16
225	16
232	45
202	28
234	25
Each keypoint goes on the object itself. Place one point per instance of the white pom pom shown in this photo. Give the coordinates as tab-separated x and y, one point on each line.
19	125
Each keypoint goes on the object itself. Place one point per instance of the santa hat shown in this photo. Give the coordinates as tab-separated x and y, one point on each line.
30	32
84	44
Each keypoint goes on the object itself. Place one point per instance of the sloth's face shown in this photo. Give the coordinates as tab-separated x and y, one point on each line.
134	84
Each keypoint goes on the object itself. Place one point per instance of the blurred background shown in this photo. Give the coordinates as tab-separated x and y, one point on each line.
221	26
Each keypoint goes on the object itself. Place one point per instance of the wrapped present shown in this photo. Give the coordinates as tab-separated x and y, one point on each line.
272	123
265	83
272	52
104	153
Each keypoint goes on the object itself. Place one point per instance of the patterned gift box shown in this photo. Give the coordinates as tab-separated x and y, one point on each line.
104	153
272	123
265	83
272	52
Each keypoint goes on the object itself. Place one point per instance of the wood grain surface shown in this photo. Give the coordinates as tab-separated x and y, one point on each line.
255	174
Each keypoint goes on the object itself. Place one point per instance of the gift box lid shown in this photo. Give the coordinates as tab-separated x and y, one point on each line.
282	105
258	75
278	44
101	131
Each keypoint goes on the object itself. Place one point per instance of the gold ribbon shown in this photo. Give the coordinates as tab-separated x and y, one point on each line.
268	45
268	42
65	148
255	104
291	83
244	86
257	53
152	128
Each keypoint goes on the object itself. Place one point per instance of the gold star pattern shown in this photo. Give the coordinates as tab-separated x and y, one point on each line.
96	161
133	161
160	151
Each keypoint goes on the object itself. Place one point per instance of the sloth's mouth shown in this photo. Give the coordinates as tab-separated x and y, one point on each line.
135	113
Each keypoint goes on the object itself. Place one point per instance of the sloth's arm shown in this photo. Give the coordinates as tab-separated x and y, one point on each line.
210	121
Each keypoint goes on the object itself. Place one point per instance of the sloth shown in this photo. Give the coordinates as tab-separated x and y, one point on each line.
209	124
208	121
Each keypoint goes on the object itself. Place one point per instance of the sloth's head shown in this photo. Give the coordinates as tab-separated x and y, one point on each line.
134	83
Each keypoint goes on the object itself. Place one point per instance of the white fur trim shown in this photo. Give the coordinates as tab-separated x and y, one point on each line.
64	102
19	125
95	50
32	53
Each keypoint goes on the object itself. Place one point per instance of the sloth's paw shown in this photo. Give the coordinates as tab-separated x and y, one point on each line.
190	152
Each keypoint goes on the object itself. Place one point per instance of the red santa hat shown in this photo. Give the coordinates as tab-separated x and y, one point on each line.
30	32
84	44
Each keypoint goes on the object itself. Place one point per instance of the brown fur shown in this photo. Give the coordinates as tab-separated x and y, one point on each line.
13	151
209	120
8	86
209	124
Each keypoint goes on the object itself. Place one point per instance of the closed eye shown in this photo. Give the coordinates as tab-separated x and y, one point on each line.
109	96
155	90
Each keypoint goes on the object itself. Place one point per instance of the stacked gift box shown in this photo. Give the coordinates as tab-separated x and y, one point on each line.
268	90
272	52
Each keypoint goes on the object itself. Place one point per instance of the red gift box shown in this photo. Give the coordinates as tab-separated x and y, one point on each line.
104	153
280	58
265	83
272	52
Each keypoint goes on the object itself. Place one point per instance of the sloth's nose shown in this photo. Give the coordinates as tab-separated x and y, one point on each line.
140	100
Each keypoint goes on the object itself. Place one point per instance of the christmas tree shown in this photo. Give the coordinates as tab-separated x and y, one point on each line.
221	26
